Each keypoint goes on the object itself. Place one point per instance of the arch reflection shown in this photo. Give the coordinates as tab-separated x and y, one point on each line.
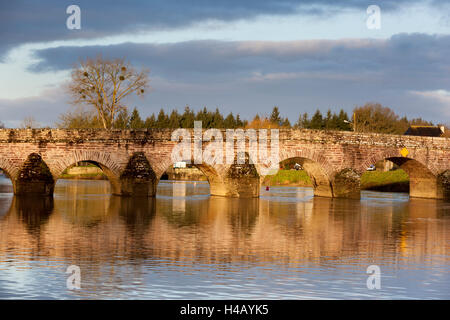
105	228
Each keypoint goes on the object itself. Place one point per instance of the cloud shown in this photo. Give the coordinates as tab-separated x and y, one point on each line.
32	21
26	21
212	56
402	72
44	108
281	76
412	61
440	97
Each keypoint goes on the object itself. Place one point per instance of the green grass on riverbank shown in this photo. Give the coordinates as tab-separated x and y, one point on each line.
98	174
85	176
288	178
396	180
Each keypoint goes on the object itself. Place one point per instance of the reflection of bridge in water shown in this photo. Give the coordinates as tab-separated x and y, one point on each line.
217	229
134	161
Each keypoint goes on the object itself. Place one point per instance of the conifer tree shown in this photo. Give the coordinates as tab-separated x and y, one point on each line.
135	120
275	117
150	122
317	121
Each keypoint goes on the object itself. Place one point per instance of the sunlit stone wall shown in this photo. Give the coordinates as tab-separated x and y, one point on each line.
324	154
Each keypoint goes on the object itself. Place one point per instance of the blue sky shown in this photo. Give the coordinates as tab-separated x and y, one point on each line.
239	56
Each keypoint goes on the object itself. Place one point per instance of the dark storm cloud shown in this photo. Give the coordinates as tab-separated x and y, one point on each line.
37	21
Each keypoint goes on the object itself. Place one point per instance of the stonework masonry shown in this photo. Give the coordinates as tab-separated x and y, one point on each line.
134	160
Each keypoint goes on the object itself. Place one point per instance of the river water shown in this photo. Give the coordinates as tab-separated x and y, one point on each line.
184	244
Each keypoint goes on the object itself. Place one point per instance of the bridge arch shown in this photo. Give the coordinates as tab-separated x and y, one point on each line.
9	168
9	171
214	174
423	179
316	156
395	154
315	165
102	160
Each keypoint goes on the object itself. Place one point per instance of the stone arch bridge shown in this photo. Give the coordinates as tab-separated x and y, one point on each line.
134	160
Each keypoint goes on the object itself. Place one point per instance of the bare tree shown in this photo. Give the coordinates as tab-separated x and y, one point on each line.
79	117
104	84
29	123
446	130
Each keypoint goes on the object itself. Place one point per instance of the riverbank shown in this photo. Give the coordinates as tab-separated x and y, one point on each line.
390	181
84	176
88	172
297	178
184	174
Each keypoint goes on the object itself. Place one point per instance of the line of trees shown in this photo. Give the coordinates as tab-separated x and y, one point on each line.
210	119
82	118
368	118
329	121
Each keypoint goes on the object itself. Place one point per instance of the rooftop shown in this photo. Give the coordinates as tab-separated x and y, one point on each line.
425	131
